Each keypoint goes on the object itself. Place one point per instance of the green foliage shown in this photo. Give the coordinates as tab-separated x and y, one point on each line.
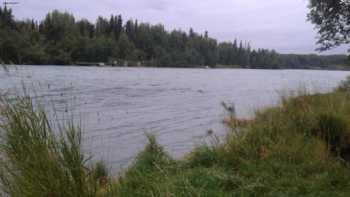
331	128
60	39
57	25
125	47
138	180
205	156
35	161
152	157
331	19
100	170
6	18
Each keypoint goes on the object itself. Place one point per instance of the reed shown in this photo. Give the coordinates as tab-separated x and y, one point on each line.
35	159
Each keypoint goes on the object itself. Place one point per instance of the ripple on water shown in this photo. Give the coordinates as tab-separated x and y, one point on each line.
116	106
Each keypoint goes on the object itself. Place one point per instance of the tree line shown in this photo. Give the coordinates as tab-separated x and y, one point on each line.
60	39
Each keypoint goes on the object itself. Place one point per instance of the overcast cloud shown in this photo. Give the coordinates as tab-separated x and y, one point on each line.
273	24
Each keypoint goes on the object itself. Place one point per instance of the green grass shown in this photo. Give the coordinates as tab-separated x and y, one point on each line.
37	162
300	148
297	149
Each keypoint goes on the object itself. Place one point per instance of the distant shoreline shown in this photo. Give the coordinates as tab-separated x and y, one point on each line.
340	68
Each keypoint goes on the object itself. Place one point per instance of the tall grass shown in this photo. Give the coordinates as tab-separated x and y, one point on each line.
36	160
299	148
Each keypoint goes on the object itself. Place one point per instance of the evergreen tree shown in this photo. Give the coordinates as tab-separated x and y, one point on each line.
125	47
59	39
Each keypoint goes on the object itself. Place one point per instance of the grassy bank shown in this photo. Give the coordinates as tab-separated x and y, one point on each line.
300	148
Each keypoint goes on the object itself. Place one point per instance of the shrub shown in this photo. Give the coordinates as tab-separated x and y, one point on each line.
152	157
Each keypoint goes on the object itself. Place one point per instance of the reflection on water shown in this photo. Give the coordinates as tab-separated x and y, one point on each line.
117	106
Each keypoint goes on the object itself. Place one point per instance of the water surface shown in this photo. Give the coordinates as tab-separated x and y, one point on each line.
117	106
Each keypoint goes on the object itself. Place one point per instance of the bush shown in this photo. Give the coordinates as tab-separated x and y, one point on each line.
152	158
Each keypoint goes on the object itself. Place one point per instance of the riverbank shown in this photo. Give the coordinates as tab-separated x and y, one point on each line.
300	148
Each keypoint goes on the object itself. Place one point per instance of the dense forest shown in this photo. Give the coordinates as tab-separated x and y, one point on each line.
60	39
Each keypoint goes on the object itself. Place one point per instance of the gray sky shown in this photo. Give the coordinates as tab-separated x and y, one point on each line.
273	24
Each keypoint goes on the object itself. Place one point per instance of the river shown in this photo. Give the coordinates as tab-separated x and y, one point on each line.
117	106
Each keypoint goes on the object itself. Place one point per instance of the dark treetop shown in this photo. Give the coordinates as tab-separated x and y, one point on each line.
60	39
332	20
